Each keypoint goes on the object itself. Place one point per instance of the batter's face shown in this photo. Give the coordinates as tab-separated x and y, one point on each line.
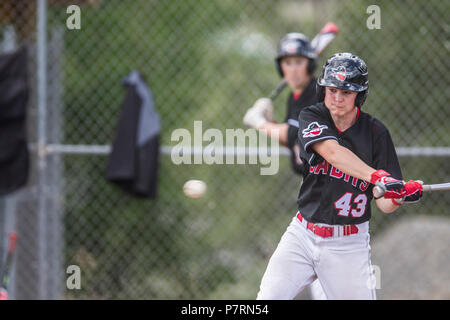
295	71
341	103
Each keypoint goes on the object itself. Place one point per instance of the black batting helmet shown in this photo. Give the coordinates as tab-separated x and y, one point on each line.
344	71
296	44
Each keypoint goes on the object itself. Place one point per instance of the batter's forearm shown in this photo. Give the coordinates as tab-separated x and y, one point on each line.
386	205
343	159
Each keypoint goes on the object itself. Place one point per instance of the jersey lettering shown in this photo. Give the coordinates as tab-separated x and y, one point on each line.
345	205
336	173
363	185
360	201
324	168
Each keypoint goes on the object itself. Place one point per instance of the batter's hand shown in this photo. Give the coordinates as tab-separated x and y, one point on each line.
260	113
393	188
416	190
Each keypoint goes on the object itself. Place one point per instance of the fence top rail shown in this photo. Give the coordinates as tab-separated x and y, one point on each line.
248	151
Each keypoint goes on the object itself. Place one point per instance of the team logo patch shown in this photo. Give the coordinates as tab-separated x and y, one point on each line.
314	129
290	47
339	73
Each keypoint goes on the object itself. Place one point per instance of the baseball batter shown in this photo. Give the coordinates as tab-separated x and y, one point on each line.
295	62
346	151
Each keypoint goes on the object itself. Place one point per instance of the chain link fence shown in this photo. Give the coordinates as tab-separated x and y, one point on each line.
208	61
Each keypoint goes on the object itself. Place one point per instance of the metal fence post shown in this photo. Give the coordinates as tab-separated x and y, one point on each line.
42	140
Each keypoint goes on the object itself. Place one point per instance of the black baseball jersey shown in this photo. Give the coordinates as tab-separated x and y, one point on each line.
328	195
294	106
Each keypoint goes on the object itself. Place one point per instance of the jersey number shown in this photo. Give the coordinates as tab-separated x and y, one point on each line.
344	204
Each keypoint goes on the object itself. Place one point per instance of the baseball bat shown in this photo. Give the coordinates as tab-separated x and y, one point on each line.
379	191
6	269
319	43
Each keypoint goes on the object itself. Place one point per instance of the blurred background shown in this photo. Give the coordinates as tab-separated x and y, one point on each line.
208	60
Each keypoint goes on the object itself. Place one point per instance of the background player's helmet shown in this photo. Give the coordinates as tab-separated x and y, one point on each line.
344	71
296	44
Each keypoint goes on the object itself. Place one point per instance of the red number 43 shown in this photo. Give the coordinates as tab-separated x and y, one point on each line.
344	204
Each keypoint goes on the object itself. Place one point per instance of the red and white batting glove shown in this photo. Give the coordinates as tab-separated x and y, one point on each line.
393	188
414	191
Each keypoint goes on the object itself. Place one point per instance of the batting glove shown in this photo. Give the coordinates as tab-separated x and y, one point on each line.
260	113
393	188
416	188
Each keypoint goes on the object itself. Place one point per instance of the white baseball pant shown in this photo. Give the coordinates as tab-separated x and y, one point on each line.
340	262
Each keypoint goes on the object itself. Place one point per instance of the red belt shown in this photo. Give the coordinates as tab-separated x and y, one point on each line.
326	232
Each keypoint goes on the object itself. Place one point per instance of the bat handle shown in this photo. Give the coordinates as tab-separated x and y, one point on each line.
378	191
276	92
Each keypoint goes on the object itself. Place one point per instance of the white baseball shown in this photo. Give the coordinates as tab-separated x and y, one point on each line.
194	188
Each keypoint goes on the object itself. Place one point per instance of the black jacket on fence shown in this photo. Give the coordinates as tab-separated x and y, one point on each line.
133	161
14	91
